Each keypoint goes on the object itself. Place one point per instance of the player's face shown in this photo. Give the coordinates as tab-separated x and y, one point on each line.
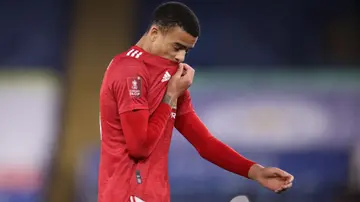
173	45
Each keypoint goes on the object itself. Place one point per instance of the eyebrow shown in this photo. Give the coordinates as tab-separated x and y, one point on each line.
183	46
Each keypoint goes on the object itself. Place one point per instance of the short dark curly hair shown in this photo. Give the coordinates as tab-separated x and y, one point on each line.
172	14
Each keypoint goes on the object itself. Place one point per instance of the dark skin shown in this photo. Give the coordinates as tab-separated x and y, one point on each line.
173	44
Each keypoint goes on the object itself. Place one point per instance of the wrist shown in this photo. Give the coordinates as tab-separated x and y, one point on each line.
170	99
255	171
171	94
174	104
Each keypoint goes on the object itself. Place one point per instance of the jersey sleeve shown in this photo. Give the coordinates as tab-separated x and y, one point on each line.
129	85
143	132
195	131
184	105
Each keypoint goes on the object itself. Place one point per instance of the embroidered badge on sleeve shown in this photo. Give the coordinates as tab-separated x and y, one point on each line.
134	86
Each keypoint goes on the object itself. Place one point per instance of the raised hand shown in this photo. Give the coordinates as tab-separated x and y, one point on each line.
181	80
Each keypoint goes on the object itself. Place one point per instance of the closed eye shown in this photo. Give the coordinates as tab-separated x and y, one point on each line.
179	46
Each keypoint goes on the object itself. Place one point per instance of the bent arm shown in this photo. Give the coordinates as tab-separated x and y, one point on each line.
142	132
129	86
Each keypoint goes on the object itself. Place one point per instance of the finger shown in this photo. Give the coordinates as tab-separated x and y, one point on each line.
290	180
180	70
284	188
287	186
184	72
278	190
282	173
187	67
189	70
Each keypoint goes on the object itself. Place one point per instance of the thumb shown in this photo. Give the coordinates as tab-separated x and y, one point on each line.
180	70
282	173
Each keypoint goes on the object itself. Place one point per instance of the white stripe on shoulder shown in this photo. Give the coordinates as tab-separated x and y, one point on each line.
128	53
138	55
134	53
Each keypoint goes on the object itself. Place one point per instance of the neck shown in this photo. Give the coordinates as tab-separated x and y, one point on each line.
144	44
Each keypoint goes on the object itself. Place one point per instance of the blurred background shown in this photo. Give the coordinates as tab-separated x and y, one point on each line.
286	76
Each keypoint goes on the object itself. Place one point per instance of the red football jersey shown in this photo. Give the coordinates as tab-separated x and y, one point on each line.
135	79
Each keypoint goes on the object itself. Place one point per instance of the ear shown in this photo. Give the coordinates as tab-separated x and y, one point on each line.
154	32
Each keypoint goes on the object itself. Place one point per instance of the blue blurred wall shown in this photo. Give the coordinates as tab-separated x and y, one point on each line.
34	37
262	32
34	33
235	35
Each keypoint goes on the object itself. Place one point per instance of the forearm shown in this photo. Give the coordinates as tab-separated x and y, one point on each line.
142	131
225	157
210	148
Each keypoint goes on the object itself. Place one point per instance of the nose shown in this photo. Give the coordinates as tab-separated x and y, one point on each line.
180	57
